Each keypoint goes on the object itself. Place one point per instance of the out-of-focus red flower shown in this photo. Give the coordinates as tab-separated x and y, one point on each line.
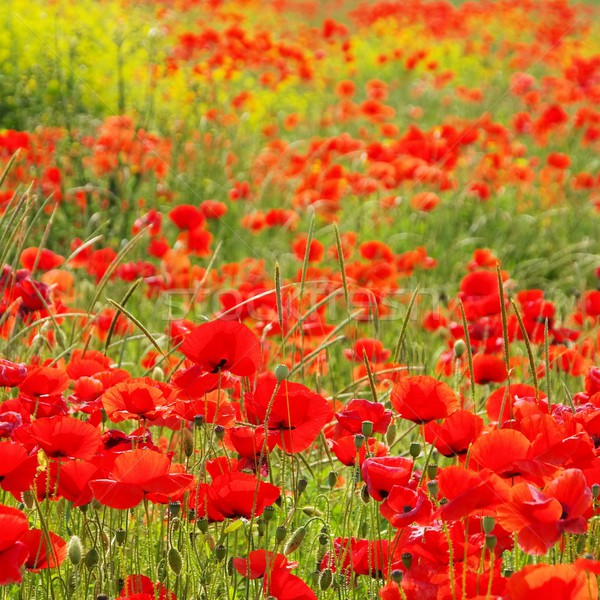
13	550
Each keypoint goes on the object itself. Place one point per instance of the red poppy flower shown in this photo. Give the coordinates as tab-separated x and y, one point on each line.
381	474
140	587
488	368
455	434
13	551
66	437
40	555
373	348
186	216
260	562
138	398
345	451
508	453
46	259
12	374
237	494
404	506
479	294
223	345
69	480
540	582
296	413
539	518
136	473
356	411
470	493
423	398
17	468
281	584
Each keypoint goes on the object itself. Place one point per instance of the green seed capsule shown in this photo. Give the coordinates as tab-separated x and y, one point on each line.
282	372
302	483
175	561
490	542
120	536
220	552
415	449
92	558
432	471
367	428
359	440
332	479
269	513
397	575
488	524
220	432
280	533
407	560
459	348
202	524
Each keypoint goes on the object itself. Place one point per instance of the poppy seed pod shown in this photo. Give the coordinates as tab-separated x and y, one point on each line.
280	533
282	372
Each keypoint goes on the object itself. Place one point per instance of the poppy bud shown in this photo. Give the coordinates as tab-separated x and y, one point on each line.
311	511
323	539
397	575
407	560
332	479
488	524
282	372
187	442
364	494
260	526
28	499
219	432
92	558
202	524
325	579
390	434
220	552
75	550
269	513
280	533
120	536
433	488
158	374
415	449
302	483
490	542
295	540
175	560
595	491
161	570
459	348
367	428
359	440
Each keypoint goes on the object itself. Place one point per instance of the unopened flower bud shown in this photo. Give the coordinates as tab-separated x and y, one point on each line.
75	550
280	533
175	561
295	540
459	348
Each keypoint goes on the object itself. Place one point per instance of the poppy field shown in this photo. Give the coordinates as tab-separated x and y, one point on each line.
299	300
